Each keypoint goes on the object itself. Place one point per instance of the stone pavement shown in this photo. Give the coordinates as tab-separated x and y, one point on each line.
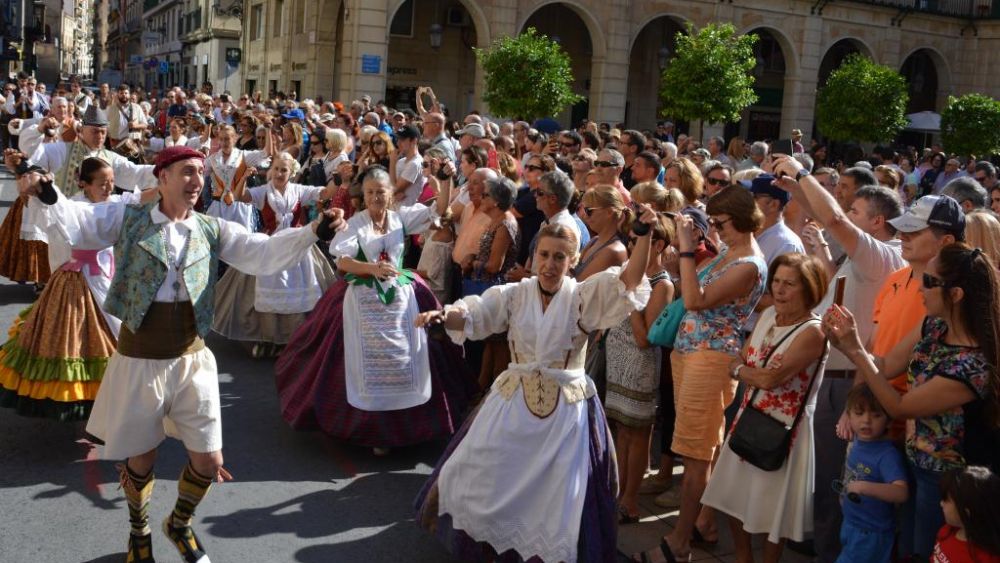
297	496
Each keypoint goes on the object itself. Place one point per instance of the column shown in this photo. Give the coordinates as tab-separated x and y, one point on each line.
799	102
366	33
609	73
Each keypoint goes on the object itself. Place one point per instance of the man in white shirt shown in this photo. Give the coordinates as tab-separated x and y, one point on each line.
162	379
57	126
126	119
407	172
27	103
872	253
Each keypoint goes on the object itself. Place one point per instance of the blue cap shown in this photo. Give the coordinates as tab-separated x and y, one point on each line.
294	114
763	185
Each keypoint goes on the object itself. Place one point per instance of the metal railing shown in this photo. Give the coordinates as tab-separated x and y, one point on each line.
969	9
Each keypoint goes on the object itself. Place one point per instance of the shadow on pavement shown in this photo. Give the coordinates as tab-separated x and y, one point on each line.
109	558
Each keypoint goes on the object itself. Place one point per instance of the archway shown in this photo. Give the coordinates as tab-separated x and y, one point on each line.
921	74
650	52
562	24
430	44
762	120
832	60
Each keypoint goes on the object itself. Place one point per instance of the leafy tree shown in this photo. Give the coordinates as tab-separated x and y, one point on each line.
970	124
527	76
862	101
709	76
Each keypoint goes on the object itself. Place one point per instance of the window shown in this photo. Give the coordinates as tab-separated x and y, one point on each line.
299	21
402	22
256	22
279	11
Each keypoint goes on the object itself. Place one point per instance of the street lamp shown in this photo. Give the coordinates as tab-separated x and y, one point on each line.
436	32
663	57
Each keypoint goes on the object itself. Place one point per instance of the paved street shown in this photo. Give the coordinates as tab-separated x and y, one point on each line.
296	496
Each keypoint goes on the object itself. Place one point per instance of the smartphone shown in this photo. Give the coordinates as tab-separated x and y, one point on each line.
838	290
783	146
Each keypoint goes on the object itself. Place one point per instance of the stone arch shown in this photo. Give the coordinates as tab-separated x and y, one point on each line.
598	41
940	65
642	94
678	19
479	20
788	50
860	44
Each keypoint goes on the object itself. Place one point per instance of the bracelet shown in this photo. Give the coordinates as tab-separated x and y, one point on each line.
824	245
686	254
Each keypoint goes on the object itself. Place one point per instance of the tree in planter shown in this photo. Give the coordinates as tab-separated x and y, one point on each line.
862	101
709	76
970	124
527	76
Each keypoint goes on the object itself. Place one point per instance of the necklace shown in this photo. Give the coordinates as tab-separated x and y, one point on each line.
176	261
547	293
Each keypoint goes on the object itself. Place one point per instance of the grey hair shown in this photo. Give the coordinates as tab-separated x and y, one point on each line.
759	148
560	185
502	191
377	174
616	156
435	152
965	188
336	139
670	149
805	160
57	99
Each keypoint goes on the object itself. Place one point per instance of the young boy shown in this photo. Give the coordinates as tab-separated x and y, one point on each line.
874	480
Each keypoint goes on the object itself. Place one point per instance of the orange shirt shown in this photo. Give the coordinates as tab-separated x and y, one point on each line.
899	308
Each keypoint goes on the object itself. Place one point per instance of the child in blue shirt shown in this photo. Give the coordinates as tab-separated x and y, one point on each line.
874	480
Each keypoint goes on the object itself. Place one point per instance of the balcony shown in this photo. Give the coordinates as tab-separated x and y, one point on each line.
966	9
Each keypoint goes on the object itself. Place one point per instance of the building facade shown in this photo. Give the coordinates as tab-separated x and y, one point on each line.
124	40
161	41
343	49
211	27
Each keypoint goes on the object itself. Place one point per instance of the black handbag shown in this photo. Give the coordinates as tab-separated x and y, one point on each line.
760	439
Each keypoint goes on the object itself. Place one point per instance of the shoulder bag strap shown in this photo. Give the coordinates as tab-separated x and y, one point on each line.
767	358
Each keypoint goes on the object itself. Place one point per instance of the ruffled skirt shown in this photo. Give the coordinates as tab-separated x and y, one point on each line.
21	260
598	524
236	318
54	361
313	392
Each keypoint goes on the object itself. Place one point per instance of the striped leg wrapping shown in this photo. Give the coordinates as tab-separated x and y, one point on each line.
138	490
191	488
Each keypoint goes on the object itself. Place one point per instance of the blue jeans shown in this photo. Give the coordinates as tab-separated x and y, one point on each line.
922	515
858	544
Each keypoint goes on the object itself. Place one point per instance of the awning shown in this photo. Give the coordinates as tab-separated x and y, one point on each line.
926	121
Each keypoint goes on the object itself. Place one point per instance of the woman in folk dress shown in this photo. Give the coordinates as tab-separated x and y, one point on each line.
532	475
358	369
266	310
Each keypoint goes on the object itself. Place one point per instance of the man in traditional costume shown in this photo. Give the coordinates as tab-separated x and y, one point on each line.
59	125
162	380
63	159
229	170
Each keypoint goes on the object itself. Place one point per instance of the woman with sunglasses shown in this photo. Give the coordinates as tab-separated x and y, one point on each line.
529	217
378	152
950	362
603	212
247	140
709	338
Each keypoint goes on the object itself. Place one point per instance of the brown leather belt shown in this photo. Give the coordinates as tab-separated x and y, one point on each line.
167	331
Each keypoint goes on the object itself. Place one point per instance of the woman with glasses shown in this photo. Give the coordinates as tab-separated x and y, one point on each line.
709	338
582	162
605	213
529	217
247	140
378	152
950	361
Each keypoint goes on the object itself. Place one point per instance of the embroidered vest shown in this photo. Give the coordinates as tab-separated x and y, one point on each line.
141	268
68	175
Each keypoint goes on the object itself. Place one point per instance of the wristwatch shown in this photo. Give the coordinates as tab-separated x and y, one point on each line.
802	173
735	373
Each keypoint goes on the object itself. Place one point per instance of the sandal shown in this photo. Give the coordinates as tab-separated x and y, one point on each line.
625	518
698	538
668	555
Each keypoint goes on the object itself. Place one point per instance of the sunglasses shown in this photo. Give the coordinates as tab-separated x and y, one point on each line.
540	193
713	222
717	182
930	282
378	142
604	164
980	179
534	167
590	210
